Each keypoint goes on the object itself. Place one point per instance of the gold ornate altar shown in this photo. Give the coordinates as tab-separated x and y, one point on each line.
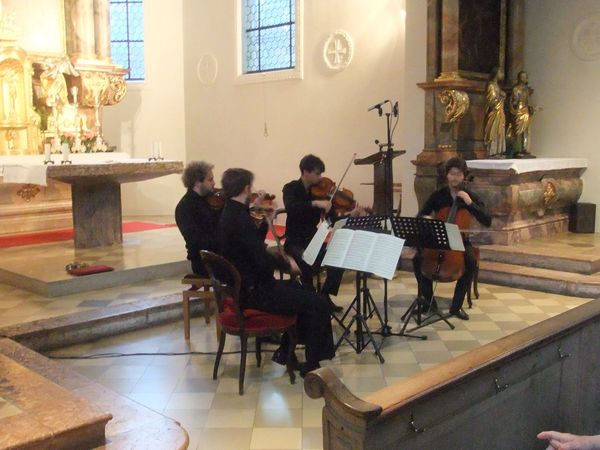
56	76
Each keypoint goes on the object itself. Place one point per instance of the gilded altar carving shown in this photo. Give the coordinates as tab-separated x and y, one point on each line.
456	102
117	89
550	193
28	192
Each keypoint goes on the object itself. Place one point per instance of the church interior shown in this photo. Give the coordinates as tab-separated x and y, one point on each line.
109	336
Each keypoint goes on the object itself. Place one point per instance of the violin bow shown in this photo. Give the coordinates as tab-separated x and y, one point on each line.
337	186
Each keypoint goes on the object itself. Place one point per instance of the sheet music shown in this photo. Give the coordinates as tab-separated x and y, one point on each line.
338	247
384	257
361	247
364	251
314	247
455	240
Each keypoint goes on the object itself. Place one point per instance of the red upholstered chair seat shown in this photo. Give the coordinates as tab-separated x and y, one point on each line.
256	321
247	323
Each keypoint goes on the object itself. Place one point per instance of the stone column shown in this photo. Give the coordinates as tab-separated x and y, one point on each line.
102	29
515	39
450	36
79	18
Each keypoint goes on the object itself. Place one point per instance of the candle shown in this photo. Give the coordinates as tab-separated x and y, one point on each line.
47	149
159	150
65	152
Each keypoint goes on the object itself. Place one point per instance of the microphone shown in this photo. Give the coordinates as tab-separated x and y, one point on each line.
378	105
395	109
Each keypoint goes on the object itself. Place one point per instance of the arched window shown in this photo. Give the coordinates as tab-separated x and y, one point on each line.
127	37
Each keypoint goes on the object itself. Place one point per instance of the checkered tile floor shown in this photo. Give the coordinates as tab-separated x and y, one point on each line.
274	414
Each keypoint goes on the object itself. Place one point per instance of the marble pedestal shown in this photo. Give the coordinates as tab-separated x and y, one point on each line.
96	194
526	198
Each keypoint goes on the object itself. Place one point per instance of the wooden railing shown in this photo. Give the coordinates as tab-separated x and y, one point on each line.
498	396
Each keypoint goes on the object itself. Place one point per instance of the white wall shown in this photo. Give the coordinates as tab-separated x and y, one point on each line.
326	112
154	110
565	86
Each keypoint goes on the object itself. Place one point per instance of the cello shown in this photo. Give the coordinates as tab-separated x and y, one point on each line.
447	265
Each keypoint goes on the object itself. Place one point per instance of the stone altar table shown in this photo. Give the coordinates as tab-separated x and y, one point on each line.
95	189
526	197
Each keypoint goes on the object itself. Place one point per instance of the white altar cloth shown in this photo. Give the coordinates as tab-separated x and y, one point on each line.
528	165
30	169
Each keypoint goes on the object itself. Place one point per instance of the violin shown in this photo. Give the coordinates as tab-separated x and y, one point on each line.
342	200
447	265
216	199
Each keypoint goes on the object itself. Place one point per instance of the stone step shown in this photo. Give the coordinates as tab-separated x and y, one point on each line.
539	279
37	413
133	426
545	258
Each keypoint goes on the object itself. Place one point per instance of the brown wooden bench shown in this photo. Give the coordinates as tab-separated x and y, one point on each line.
498	396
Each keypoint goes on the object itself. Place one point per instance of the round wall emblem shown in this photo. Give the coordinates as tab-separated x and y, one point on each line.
207	69
338	50
586	38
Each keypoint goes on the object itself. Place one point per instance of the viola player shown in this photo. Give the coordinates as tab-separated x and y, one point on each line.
196	218
456	170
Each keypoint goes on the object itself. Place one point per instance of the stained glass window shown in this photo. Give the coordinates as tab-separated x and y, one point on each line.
269	35
127	36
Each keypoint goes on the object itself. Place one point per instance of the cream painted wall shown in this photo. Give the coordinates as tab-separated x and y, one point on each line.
326	112
565	86
154	110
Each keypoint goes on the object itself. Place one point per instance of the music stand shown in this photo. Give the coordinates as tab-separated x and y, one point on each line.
423	233
363	306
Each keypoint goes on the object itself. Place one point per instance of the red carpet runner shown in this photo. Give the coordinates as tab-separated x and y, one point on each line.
45	237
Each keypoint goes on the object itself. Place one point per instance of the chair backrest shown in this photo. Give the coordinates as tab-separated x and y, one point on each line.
279	211
226	282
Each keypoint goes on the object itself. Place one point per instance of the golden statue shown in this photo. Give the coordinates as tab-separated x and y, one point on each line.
521	112
495	119
54	85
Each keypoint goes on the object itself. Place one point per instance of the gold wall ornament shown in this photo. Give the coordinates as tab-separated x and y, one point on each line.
456	102
116	90
28	191
18	134
550	193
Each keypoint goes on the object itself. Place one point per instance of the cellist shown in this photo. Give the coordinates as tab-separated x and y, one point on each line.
456	170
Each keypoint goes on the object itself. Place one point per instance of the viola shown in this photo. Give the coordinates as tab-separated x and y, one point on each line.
216	199
259	211
447	265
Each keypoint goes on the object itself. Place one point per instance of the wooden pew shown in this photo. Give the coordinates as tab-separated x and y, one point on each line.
498	396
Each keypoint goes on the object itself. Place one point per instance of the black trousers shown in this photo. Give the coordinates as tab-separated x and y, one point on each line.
331	285
462	284
313	311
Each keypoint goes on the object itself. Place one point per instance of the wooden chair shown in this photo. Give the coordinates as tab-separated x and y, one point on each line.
200	288
245	323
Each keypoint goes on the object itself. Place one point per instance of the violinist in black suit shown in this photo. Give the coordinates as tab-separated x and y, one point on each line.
196	219
304	213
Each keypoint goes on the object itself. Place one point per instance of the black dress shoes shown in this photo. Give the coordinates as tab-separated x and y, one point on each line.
306	367
280	357
460	314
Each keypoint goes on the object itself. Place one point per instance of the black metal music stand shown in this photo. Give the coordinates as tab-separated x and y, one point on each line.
363	306
423	233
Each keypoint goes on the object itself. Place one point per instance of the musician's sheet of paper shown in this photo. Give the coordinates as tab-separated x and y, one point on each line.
314	247
364	251
454	238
